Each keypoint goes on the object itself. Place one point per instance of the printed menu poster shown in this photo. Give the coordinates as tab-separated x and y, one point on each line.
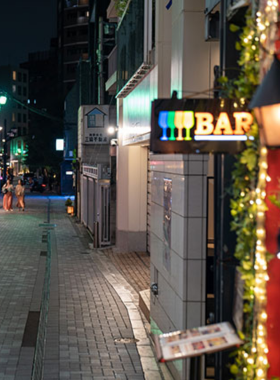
196	341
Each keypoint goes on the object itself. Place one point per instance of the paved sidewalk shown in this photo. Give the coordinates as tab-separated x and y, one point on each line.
92	315
134	266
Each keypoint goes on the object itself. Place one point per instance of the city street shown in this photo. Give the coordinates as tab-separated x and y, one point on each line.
89	316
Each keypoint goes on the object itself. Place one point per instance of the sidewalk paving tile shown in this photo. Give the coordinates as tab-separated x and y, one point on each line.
87	312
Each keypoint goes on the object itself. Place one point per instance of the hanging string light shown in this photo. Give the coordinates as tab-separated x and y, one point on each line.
259	348
266	19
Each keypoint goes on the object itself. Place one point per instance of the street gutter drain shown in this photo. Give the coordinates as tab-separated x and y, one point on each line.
126	340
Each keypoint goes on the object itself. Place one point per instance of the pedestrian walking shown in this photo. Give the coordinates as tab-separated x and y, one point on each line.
7	190
19	191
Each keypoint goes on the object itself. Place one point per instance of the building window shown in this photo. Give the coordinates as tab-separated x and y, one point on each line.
24	133
96	121
24	91
13	117
14	88
19	132
19	90
19	77
24	117
19	117
14	75
91	121
19	106
24	78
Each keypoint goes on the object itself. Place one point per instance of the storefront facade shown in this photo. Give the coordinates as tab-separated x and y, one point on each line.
162	200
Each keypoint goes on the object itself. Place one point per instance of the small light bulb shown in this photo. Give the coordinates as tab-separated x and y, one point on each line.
259	372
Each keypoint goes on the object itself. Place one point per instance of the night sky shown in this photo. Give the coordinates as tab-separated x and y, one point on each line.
25	26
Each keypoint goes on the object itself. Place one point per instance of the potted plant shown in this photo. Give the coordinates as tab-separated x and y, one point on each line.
69	206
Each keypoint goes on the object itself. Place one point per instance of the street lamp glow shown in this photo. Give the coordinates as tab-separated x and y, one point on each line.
3	99
111	130
1	128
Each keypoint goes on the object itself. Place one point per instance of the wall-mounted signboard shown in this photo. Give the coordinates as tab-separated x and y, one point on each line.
199	126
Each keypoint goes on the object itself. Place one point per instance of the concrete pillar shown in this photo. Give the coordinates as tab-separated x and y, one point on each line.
131	195
163	48
180	270
193	59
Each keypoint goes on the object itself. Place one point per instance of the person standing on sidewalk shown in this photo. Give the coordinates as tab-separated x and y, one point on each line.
7	190
19	191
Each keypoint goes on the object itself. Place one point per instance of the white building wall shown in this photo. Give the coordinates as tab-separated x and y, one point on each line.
180	303
134	121
184	62
193	59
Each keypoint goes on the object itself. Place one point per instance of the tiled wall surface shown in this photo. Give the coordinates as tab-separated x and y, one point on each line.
180	303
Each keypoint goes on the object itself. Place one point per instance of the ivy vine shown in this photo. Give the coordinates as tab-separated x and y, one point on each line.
120	6
244	180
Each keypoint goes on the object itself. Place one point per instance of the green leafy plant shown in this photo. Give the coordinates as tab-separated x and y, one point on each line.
120	6
68	202
244	181
273	199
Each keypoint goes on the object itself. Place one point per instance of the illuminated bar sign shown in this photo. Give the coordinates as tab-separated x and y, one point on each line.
199	126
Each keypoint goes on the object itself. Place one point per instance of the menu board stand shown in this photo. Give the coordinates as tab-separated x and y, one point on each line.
195	342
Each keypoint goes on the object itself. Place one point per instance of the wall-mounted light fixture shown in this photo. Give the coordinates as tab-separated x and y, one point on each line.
266	106
112	130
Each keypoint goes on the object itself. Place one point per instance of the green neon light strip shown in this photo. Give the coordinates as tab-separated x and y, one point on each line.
171	125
